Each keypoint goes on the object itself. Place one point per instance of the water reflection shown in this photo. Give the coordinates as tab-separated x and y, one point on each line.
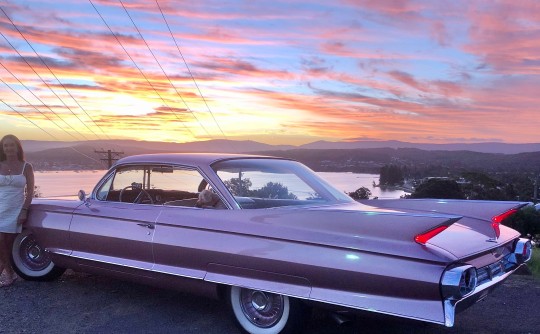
68	183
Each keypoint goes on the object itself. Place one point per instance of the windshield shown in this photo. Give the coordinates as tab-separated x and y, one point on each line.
266	183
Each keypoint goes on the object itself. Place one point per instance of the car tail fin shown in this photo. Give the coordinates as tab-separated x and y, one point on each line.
482	210
498	219
423	238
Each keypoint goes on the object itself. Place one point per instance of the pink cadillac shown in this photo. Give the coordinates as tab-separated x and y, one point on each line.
272	239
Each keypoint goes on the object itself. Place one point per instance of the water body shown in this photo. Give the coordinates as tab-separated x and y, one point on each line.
68	183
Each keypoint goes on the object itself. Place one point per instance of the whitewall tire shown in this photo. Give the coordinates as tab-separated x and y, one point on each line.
260	312
31	261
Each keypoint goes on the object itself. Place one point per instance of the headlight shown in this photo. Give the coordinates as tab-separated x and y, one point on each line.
458	282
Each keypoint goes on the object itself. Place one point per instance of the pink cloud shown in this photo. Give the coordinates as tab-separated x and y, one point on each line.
506	36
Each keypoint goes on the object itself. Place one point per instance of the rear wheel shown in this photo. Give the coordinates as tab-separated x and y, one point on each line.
30	261
260	312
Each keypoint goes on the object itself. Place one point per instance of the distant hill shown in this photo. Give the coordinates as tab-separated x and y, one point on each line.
218	145
371	160
244	146
335	156
81	155
475	147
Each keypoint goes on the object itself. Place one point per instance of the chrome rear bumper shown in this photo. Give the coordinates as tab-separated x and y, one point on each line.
488	278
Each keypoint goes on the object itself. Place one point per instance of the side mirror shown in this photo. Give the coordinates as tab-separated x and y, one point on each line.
82	195
83	198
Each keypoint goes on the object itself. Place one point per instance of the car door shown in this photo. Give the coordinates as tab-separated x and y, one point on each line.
116	233
179	241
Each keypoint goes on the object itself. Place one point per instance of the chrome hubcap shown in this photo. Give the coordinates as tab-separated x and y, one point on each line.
260	300
263	309
32	255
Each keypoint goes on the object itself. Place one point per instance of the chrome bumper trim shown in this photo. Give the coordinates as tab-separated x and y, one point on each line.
479	293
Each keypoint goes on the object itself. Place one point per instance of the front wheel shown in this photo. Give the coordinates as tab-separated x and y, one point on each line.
31	261
260	312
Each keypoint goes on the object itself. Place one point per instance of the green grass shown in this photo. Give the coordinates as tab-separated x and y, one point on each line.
534	263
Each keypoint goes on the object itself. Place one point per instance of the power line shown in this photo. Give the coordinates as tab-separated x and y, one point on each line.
61	84
39	100
28	119
189	70
39	127
13	90
46	84
138	68
161	67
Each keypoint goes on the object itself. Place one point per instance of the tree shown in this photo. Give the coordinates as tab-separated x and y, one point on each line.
482	186
238	186
391	175
273	190
438	188
360	193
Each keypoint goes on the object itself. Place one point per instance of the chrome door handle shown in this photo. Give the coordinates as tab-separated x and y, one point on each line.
150	226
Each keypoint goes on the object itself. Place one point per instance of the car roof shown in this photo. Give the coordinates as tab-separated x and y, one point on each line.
190	159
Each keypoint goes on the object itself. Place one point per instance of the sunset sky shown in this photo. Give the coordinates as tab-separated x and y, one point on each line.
278	72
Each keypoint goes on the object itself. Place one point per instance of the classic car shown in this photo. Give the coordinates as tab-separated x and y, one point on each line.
273	239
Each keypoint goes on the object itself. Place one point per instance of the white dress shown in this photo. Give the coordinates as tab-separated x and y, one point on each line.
11	201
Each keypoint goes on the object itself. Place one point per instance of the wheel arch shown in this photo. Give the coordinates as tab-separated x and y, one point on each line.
225	276
31	261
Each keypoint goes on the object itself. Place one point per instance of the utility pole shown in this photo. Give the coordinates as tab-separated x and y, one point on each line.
112	156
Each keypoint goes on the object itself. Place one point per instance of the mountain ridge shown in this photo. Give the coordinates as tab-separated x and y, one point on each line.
247	146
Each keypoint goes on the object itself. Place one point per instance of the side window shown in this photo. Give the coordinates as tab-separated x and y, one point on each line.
103	191
159	185
129	177
183	187
124	185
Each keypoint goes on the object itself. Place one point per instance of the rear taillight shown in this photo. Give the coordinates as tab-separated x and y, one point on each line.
424	237
497	220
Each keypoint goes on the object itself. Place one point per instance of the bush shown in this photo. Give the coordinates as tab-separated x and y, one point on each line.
534	264
438	188
526	221
273	190
360	193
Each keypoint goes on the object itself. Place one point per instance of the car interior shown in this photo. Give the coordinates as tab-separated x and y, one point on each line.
158	185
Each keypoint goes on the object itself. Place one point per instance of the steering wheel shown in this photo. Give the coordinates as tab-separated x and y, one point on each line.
140	196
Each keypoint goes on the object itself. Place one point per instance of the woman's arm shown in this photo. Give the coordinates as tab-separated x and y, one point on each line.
29	174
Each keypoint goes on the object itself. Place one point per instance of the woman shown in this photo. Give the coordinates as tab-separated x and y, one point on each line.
15	175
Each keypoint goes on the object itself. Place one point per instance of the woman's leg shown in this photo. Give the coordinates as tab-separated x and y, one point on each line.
2	263
6	244
10	239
